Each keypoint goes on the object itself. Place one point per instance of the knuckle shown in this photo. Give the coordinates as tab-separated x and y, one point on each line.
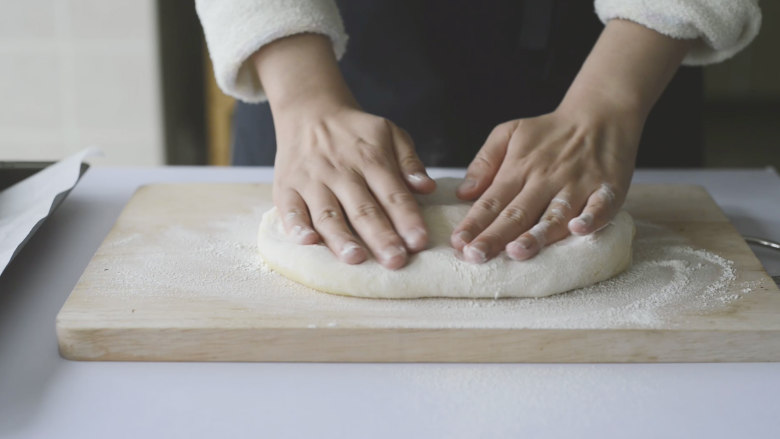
481	162
348	177
515	215
294	214
504	130
526	142
366	211
326	164
380	127
561	203
489	204
521	128
540	231
410	161
555	219
556	215
327	216
383	123
405	135
400	198
372	154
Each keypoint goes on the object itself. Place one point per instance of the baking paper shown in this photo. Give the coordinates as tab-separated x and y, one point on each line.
24	205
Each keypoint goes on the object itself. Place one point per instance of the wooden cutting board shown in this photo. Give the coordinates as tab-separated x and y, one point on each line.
178	279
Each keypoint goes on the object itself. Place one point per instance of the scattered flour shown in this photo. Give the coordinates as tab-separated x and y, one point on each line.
667	280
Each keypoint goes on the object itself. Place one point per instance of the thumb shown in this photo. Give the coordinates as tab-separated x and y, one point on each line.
484	167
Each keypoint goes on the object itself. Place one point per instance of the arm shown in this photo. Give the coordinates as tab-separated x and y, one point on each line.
539	179
336	164
236	29
719	28
327	147
627	70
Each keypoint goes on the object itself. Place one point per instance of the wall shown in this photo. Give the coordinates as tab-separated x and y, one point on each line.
753	74
742	101
76	73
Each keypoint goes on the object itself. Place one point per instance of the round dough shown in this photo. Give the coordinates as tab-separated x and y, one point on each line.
574	262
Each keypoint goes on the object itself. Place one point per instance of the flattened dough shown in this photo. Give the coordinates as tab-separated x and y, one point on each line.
574	262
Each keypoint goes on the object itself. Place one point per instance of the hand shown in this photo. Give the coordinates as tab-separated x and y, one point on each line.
539	179
336	163
568	171
337	166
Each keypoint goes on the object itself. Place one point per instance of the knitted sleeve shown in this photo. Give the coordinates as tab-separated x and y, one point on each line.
235	29
722	27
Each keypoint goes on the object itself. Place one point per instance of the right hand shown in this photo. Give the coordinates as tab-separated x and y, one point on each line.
338	166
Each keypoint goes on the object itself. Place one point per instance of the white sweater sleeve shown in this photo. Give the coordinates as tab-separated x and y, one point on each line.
235	29
722	27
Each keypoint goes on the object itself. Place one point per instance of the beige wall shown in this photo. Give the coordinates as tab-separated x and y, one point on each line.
77	73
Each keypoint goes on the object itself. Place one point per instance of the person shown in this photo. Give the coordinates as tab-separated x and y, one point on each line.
548	122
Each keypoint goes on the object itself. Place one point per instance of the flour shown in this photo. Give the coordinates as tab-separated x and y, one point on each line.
668	280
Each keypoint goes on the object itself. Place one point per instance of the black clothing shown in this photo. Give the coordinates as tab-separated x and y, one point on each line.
449	71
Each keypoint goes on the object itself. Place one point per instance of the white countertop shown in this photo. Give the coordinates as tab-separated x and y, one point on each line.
45	396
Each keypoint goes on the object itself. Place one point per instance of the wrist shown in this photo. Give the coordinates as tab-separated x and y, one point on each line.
626	71
589	100
311	99
301	72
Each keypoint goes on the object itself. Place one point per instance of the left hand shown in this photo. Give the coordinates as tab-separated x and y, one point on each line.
568	171
537	180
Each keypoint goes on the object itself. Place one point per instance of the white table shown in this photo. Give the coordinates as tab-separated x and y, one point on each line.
44	396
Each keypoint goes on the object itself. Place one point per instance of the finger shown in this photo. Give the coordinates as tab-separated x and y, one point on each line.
412	168
328	220
370	222
483	169
401	208
295	218
483	212
552	227
601	207
518	216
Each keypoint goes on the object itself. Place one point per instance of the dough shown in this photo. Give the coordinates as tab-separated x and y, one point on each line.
574	262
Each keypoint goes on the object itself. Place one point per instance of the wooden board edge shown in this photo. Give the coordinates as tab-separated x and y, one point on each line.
430	345
418	345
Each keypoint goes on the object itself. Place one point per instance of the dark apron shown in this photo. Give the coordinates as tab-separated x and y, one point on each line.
449	71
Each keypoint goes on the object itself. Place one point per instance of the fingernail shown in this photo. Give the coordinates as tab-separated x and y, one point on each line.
389	253
418	177
414	238
350	250
468	184
520	249
462	238
475	253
